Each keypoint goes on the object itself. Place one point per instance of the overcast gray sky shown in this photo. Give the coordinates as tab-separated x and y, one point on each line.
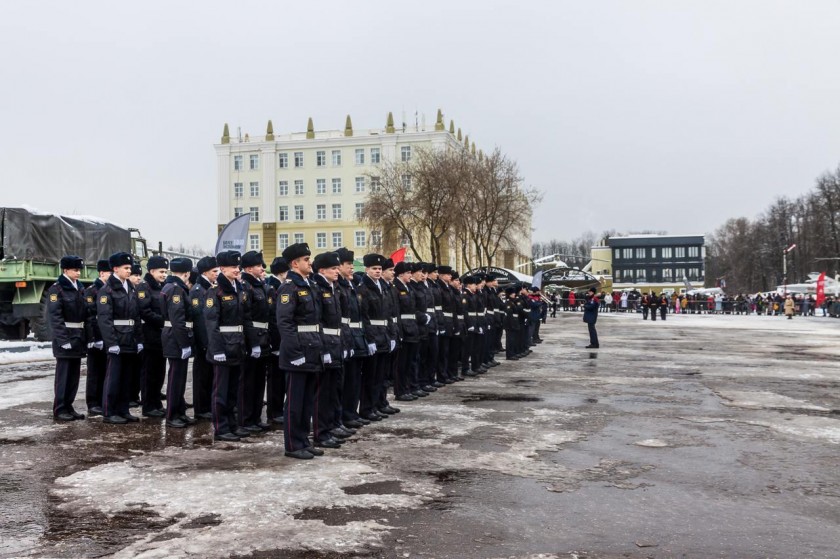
628	115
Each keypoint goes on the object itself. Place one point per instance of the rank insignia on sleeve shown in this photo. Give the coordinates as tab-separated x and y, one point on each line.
195	301
103	300
227	298
53	297
176	299
209	303
141	294
284	298
90	299
303	293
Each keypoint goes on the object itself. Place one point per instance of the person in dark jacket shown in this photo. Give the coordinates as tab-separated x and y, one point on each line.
409	333
356	345
422	300
458	330
177	340
393	313
375	320
301	350
590	317
512	324
135	365
258	344
445	323
151	311
225	315
97	359
472	359
276	378
653	302
118	317
208	271
67	313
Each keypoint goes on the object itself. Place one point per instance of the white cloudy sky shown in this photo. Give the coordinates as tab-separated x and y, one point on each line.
628	114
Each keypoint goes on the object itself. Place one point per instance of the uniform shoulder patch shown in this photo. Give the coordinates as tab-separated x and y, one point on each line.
141	294
226	298
89	299
303	293
176	299
270	300
284	298
327	295
209	303
195	301
103	300
53	297
403	292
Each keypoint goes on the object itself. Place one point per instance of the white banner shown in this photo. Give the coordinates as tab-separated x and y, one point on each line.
234	235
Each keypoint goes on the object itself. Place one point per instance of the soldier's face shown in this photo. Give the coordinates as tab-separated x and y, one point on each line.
330	273
123	272
346	269
135	279
159	274
212	275
374	272
417	276
446	277
73	273
302	265
433	276
256	271
388	275
230	272
456	284
104	276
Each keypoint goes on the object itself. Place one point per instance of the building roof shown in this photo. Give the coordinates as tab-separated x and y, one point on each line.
655	240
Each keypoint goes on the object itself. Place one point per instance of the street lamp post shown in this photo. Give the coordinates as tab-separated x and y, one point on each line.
784	267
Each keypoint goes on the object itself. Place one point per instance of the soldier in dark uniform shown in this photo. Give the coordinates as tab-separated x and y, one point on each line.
202	371
258	344
276	379
301	351
118	317
446	323
67	312
151	311
458	329
512	325
663	306
392	312
653	303
225	316
136	365
357	347
422	302
590	317
480	352
177	340
409	333
326	430
524	317
435	310
468	300
645	306
97	359
493	306
375	323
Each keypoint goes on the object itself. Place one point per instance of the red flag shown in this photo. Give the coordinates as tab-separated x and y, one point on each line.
398	255
821	289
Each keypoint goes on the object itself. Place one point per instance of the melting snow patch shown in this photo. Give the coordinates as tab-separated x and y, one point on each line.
765	400
652	443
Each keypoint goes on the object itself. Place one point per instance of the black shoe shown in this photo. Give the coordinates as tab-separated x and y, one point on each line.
253	428
512	359
448	381
94	411
471	373
339	433
429	388
373	417
363	421
279	420
420	393
153	413
328	443
131	418
264	426
590	346
407	398
134	404
355	424
64	416
227	437
242	433
481	370
186	419
77	415
437	384
206	415
115	419
314	451
347	429
176	423
494	363
300	454
390	410
458	378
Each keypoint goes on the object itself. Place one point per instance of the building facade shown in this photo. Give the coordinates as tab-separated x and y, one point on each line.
651	262
311	186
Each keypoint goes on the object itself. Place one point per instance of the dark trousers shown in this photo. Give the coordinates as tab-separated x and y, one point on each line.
352	389
382	396
374	369
466	351
404	380
499	331
536	330
135	387
276	389
120	371
67	371
338	398
663	311
510	343
593	334
252	391
154	374
487	342
443	358
326	392
476	348
300	401
421	367
431	361
97	364
225	389
644	313
202	383
524	340
455	343
653	313
176	385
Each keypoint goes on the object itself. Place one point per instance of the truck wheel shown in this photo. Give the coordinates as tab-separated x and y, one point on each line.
17	331
39	325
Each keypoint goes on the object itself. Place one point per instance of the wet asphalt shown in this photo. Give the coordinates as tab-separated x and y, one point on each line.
703	436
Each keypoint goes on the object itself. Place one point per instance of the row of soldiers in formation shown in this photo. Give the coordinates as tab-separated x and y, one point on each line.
316	343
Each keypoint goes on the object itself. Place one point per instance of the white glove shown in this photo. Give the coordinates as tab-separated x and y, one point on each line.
481	330
352	352
441	332
344	354
327	358
489	327
186	352
275	352
428	319
90	345
66	346
299	362
393	344
99	345
115	349
256	352
139	348
220	357
371	349
471	329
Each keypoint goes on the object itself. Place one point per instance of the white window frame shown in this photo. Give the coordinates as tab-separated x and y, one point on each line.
360	156
299	238
360	207
238	190
321	158
336	186
283	160
320	187
336	158
363	236
375	156
254	241
667	253
255	213
283	188
321	212
641	253
237	212
336	239
360	185
405	153
238	163
282	241
299	212
254	162
298	188
283	213
320	240
694	252
299	160
336	212
254	189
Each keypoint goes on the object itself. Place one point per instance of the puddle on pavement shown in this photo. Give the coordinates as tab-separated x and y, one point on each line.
376	488
339	516
492	397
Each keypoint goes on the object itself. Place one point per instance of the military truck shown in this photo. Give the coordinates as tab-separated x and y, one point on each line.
31	245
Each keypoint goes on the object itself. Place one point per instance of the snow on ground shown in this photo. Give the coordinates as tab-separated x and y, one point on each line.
28	391
34	354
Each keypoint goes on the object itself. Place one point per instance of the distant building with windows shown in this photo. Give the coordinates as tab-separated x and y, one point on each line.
311	186
650	262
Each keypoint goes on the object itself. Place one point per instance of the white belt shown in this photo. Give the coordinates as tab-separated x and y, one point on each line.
256	324
331	331
408	317
438	308
460	316
122	322
167	324
74	324
473	313
355	324
394	319
498	311
379	323
515	315
345	320
309	328
230	328
447	314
